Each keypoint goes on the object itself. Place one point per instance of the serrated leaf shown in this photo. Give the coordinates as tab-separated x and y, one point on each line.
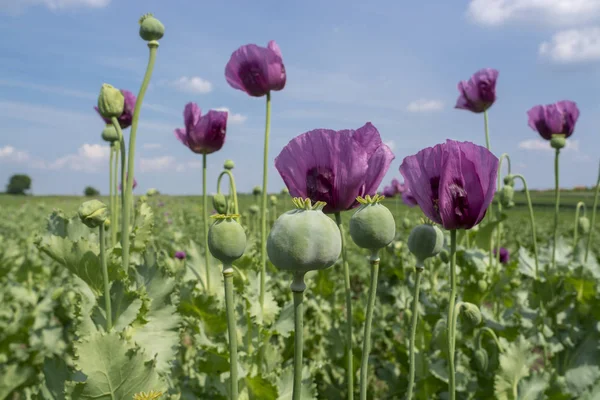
285	385
141	232
262	315
514	366
533	388
260	388
114	369
581	378
125	307
285	323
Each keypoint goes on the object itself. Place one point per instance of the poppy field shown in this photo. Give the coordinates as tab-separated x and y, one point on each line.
452	281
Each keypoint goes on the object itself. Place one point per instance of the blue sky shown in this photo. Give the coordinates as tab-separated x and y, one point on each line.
395	64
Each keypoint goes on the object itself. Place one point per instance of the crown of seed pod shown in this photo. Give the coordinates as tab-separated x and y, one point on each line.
93	213
372	226
226	238
304	239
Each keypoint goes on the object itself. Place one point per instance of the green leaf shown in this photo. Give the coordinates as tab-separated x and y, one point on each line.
514	366
265	315
12	376
125	307
142	228
533	388
114	369
483	238
285	385
260	388
56	373
526	264
581	378
285	323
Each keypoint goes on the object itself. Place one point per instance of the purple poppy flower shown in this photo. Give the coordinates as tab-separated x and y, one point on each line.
453	183
389	191
504	255
334	166
398	187
126	118
202	134
478	93
557	118
132	186
180	255
408	198
256	70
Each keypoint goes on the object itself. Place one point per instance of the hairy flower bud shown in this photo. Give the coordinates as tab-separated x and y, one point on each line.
229	165
220	203
583	225
111	102
151	28
481	359
472	313
507	194
93	213
273	200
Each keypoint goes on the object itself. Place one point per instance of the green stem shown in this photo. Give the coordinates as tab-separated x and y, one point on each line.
231	328
232	188
205	222
492	334
124	206
589	240
364	364
556	206
105	277
298	286
487	131
128	188
532	219
576	230
263	209
413	331
115	222
111	199
499	232
348	294
451	330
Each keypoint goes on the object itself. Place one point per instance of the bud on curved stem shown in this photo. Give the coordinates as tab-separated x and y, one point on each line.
232	189
580	205
589	239
491	333
364	364
532	219
506	193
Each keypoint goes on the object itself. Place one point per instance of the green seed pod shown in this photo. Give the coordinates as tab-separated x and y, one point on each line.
229	165
372	226
152	192
151	28
558	141
480	356
93	213
304	239
285	191
226	239
509	180
110	101
220	203
254	209
273	200
472	313
110	134
482	285
425	241
406	224
445	255
583	225
507	194
256	190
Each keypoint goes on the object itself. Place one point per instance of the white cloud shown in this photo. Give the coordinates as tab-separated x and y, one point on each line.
157	163
193	84
9	153
391	144
151	146
89	158
544	145
554	12
573	46
424	105
17	6
233	117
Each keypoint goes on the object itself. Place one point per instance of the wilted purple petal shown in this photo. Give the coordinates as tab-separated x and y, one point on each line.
132	187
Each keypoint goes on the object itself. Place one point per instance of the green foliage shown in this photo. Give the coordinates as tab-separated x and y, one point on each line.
90	191
18	184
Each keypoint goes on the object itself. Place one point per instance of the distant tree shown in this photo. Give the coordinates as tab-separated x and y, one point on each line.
90	191
18	184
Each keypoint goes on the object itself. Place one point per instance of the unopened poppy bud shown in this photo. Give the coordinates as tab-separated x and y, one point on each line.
445	256
109	133
472	313
273	200
220	203
406	223
256	190
425	241
93	213
481	359
482	285
111	102
285	191
507	194
254	209
558	141
151	28
229	165
509	180
583	225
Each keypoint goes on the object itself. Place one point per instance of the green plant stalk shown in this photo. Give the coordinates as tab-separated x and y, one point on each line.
487	130
348	295
298	286
231	328
263	209
205	222
589	239
499	232
124	222
105	277
413	331
450	327
532	219
113	223
576	230
128	188
364	363
116	192
492	334
556	206
232	189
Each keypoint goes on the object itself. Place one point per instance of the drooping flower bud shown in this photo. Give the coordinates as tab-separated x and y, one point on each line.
425	241
509	180
372	226
229	165
109	133
583	225
151	28
93	213
507	194
480	356
220	203
445	256
471	312
226	238
111	101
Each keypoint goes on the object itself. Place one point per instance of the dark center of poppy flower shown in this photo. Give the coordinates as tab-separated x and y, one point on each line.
485	92
319	184
460	203
434	183
251	75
